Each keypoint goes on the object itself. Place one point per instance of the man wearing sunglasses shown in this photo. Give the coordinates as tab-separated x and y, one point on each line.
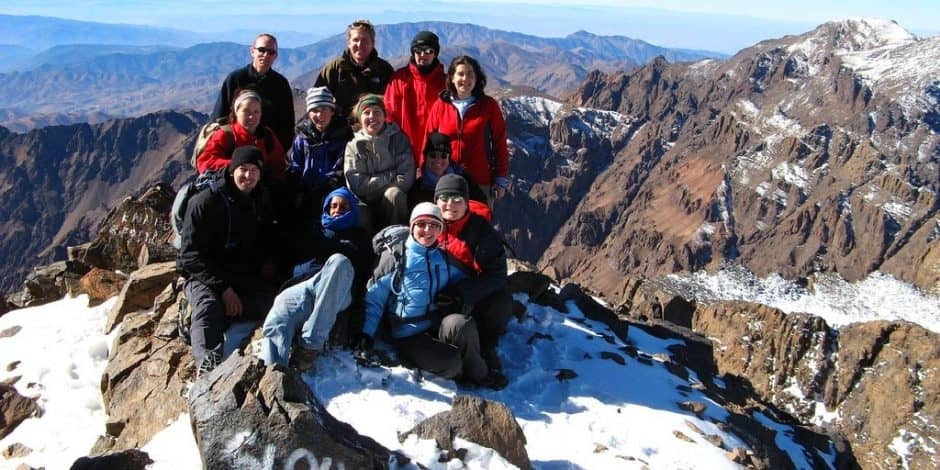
277	100
413	89
358	71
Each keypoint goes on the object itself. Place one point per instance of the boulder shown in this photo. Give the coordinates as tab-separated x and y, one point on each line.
487	423
50	283
246	415
131	459
14	408
145	382
156	252
140	290
101	284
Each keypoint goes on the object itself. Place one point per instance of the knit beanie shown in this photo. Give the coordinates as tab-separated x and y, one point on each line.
245	96
437	142
423	210
319	96
426	39
369	100
452	185
246	154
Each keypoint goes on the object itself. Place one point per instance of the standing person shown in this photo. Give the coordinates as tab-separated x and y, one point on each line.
378	165
475	125
474	246
278	99
358	71
224	256
316	157
437	163
424	333
414	88
245	128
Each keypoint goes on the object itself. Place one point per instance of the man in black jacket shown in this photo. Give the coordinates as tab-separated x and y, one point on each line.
225	256
277	105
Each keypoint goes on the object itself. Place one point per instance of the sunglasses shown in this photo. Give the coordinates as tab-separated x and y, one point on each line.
422	51
265	50
438	155
423	225
453	199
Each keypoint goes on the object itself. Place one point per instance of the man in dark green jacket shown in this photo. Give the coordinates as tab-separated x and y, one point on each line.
358	71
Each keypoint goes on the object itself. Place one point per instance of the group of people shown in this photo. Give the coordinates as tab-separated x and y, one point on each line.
287	238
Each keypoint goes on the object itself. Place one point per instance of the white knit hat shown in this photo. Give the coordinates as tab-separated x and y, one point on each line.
426	209
319	96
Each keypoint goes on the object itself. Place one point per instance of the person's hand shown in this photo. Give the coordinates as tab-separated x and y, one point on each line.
499	192
233	304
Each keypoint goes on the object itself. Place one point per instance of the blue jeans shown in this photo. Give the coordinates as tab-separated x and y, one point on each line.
310	307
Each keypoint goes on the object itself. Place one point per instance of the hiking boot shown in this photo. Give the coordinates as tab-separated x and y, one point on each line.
494	380
492	359
208	363
302	358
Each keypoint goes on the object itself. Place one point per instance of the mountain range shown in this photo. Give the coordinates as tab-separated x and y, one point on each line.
90	82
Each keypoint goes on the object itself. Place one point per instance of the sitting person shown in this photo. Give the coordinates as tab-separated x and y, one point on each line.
433	339
437	163
306	309
316	158
224	256
379	166
244	129
340	222
473	245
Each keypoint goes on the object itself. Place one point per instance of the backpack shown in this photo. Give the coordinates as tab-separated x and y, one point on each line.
391	240
206	131
212	180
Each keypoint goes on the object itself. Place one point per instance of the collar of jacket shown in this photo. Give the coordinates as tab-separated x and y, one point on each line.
370	61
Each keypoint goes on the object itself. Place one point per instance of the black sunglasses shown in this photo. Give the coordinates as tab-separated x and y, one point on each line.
422	50
265	50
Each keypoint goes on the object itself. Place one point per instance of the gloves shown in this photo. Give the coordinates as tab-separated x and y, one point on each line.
364	343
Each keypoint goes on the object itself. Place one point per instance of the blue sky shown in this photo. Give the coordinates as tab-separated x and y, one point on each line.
716	25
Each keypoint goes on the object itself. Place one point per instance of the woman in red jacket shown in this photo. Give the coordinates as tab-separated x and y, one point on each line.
475	125
244	130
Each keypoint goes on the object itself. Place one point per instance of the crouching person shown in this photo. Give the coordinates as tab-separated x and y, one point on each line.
308	310
433	339
225	256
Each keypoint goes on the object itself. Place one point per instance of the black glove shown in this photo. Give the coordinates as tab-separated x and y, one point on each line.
365	343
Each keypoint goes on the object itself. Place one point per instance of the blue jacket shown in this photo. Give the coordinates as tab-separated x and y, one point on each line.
407	294
316	156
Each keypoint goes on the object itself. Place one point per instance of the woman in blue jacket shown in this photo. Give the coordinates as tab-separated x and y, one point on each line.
424	332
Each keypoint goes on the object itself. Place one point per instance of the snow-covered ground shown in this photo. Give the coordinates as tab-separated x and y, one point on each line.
609	416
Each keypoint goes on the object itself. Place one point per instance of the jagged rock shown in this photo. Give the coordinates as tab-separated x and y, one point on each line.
696	407
101	285
77	252
680	435
527	282
487	423
156	252
593	310
14	408
145	382
50	283
851	371
135	223
140	290
245	415
131	459
16	450
8	332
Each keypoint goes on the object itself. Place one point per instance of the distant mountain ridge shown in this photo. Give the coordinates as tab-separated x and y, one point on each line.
134	81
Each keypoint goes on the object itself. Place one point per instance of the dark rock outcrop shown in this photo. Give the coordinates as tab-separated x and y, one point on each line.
132	459
489	424
14	408
246	415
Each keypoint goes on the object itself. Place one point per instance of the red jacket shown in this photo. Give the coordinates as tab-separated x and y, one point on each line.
408	100
476	140
218	151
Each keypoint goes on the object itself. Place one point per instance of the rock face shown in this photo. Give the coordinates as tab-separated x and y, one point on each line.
489	424
245	415
140	291
14	408
794	156
60	182
101	284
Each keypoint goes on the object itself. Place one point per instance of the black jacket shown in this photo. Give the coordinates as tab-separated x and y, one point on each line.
225	238
277	107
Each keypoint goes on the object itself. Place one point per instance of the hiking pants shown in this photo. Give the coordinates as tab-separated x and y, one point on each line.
492	314
209	321
454	352
310	307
